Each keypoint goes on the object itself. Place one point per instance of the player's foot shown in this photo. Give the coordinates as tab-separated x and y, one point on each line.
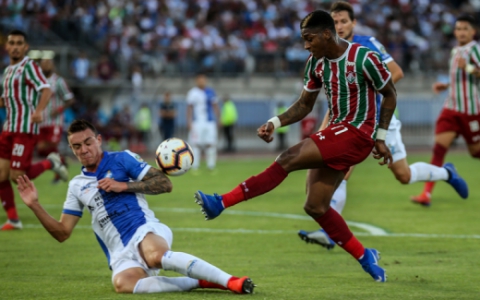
242	285
212	206
12	225
319	237
422	199
369	262
57	166
457	182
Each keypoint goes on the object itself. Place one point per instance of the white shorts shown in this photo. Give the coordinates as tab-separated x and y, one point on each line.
130	257
394	140
203	133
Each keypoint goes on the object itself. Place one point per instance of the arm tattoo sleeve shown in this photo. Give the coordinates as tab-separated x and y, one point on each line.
302	107
153	183
385	117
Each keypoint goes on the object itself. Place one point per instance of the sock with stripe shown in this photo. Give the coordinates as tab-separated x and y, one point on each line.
336	228
256	185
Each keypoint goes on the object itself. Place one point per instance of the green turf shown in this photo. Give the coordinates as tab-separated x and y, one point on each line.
34	266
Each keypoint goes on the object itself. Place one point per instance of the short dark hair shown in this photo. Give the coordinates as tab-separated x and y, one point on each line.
343	6
18	32
467	18
80	125
318	19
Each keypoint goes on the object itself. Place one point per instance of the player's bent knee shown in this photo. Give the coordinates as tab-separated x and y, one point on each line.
403	178
123	284
315	211
154	258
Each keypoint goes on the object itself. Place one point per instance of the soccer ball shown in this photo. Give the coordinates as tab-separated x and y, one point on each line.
174	157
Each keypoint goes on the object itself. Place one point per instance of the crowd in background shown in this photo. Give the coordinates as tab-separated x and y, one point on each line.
232	36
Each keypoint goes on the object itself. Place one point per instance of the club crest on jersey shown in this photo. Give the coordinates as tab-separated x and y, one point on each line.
109	174
351	77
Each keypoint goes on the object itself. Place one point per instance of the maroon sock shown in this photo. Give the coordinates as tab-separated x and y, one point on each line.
8	200
438	157
336	228
256	185
36	169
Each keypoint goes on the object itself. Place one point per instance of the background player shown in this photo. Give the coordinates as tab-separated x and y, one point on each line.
344	69
112	186
202	122
461	113
343	16
26	93
51	129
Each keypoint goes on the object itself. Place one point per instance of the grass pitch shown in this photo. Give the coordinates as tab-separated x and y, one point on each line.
429	253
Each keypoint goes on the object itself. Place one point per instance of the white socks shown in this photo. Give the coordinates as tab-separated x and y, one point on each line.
160	284
339	197
211	153
421	171
197	155
194	267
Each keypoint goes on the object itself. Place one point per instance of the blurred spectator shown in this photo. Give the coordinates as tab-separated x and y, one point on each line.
282	131
137	82
81	67
105	68
167	114
143	125
228	119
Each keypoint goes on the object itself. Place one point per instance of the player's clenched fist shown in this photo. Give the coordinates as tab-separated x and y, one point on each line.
381	151
265	132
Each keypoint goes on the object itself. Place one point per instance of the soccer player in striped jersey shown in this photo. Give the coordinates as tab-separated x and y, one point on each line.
351	75
113	185
461	113
51	128
26	93
343	16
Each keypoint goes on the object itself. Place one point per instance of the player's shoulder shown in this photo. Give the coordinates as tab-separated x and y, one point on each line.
370	42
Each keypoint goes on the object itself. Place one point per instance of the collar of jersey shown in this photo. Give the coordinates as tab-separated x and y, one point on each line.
100	166
25	58
466	45
343	55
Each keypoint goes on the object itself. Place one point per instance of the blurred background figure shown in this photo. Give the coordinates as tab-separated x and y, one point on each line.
81	67
228	118
143	124
202	122
282	131
167	114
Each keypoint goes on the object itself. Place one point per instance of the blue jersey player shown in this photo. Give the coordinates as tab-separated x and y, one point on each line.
343	16
112	186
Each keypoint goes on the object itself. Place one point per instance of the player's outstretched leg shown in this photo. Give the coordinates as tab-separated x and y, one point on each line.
213	205
197	268
57	166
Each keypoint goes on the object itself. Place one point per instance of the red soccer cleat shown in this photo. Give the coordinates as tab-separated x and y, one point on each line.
242	285
422	199
10	225
210	285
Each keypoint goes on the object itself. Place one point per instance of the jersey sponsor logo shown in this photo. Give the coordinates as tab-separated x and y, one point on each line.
16	164
350	64
86	188
103	221
320	136
351	77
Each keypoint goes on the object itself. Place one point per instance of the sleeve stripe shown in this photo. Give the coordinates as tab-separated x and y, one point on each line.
39	73
376	61
31	76
144	171
475	55
72	212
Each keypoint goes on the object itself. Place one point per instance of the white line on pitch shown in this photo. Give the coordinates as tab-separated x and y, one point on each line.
256	231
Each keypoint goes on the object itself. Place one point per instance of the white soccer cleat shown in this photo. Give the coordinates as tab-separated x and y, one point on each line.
10	225
58	167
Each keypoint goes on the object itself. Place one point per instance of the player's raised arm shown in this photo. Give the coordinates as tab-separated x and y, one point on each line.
153	183
297	111
60	230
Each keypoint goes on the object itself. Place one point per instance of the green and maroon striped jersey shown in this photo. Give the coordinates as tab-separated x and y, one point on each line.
463	91
351	83
60	94
22	83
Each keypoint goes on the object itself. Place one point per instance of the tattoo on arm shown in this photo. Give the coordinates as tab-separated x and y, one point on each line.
302	107
385	117
153	183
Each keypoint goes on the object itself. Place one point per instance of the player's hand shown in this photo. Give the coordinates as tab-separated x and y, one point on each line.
438	87
27	190
461	63
381	151
37	117
265	132
110	185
